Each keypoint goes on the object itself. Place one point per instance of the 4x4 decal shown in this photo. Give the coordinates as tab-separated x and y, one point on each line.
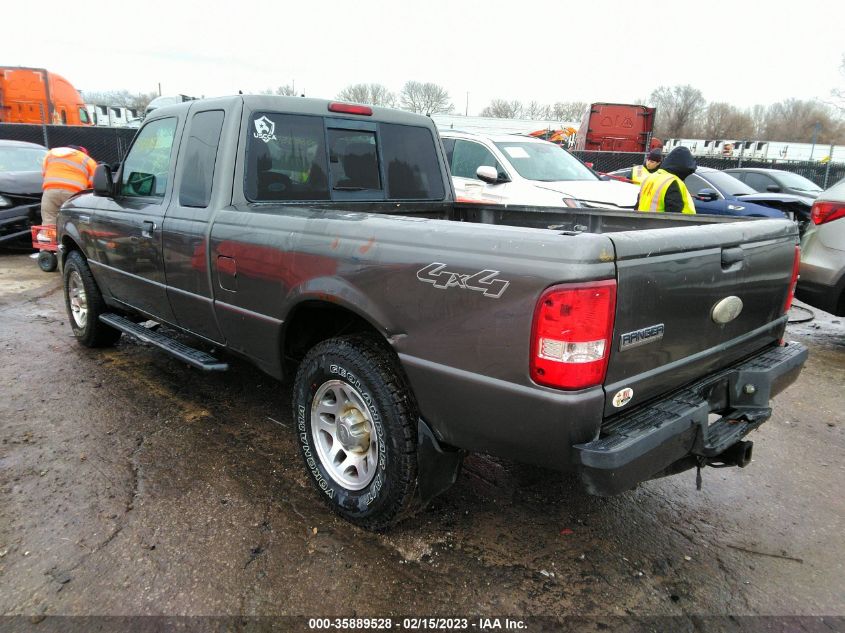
484	281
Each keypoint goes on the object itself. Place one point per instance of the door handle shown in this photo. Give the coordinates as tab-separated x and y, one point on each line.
148	229
732	256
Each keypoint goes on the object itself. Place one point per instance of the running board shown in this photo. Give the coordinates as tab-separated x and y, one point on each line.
193	357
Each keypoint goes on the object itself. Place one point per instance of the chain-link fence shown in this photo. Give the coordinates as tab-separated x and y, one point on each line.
109	145
823	174
104	144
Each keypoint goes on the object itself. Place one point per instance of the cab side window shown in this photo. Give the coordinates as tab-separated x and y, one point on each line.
200	158
145	170
468	156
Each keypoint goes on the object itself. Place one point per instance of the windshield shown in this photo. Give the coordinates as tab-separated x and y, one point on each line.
727	184
21	158
794	181
545	162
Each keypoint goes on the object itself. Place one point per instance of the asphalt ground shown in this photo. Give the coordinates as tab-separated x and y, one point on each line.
133	485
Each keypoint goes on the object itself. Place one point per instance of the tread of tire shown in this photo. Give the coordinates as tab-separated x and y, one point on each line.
378	357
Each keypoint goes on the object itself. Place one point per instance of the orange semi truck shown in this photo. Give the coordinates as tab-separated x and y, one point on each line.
35	95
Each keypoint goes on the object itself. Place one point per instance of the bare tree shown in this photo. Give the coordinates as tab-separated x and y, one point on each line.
372	94
536	110
425	98
678	108
838	93
799	121
725	121
758	114
284	91
569	111
501	109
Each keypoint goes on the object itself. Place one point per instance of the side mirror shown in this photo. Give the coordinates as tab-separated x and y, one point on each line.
707	195
103	184
773	188
488	174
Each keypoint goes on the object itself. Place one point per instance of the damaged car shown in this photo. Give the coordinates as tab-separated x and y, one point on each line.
20	190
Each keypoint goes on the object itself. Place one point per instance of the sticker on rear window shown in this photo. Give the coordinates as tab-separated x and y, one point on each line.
265	129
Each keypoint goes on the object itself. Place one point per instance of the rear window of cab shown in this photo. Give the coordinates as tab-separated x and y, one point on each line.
291	157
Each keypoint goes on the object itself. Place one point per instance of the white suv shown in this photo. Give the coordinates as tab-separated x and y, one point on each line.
822	281
511	169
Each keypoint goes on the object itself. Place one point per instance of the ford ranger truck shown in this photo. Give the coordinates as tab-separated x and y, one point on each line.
321	241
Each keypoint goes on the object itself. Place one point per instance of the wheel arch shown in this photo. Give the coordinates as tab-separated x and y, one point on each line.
313	320
70	242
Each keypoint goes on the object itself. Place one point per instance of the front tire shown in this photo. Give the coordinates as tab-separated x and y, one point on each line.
357	430
85	304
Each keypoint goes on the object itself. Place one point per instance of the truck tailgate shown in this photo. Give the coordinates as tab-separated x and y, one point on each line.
670	282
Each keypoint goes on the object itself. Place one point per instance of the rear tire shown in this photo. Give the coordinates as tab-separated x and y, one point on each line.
85	304
357	430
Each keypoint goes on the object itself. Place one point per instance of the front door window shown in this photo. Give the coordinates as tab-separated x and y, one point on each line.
146	167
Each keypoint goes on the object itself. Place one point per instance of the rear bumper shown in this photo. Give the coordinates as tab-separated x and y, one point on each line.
656	439
822	296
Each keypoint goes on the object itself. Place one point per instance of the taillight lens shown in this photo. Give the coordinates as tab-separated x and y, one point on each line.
827	212
571	337
796	264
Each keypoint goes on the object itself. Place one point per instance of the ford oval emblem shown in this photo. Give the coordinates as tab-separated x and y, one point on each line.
726	310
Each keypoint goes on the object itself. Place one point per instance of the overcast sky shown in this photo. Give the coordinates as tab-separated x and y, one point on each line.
741	52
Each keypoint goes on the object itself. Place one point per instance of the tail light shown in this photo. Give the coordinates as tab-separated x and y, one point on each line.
571	336
790	295
827	212
350	108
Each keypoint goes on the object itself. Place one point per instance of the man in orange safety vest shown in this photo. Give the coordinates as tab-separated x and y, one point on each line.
67	171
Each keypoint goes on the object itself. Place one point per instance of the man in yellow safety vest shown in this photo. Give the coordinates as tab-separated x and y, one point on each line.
664	190
652	163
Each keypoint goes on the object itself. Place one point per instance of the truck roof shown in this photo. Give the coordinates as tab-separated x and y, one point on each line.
302	105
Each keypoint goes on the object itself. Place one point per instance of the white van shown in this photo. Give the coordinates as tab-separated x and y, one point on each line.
512	169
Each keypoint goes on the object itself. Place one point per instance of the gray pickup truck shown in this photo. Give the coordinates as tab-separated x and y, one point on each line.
321	241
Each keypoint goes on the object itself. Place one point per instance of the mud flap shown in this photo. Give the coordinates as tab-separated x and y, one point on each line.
437	466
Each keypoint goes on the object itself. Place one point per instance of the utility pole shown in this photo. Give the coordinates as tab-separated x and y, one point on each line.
466	112
159	88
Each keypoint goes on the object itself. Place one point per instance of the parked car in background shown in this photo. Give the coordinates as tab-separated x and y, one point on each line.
822	280
775	181
512	169
718	193
20	190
